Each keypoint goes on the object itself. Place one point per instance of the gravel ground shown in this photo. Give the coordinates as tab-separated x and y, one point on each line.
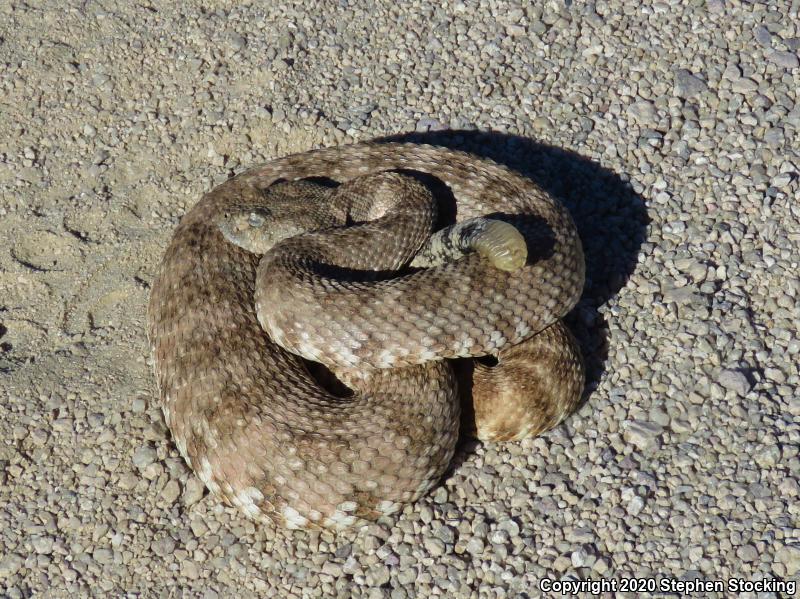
670	129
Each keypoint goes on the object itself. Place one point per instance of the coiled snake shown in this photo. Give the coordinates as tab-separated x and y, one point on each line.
329	446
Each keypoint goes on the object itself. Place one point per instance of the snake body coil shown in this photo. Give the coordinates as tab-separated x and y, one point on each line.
263	433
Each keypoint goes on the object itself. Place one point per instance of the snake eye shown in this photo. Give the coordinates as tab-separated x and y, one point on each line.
255	219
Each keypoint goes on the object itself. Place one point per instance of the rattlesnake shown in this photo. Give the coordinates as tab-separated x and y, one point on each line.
267	435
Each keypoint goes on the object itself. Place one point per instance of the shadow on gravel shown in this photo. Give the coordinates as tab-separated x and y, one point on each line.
611	220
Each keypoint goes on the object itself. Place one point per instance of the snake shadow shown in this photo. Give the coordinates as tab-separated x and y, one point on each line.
610	216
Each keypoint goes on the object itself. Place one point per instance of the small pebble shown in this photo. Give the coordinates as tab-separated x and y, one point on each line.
193	491
687	84
10	565
787	60
735	380
163	546
434	546
643	434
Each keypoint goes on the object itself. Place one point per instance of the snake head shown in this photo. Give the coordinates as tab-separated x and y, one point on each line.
250	227
283	210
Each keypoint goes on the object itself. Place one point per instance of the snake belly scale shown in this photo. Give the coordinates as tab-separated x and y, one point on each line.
260	430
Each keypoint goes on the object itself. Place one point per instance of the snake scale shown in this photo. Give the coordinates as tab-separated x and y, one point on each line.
264	428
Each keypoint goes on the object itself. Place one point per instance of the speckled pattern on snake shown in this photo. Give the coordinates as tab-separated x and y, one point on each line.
258	424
